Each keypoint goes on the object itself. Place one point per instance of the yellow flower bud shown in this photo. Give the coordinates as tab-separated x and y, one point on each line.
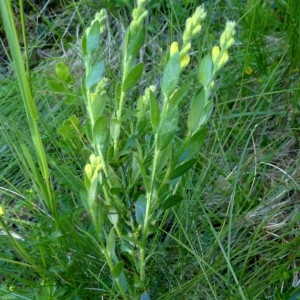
88	171
215	54
188	22
1	211
184	61
196	29
229	43
174	48
223	60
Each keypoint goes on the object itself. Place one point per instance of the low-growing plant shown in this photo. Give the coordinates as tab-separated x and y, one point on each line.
140	149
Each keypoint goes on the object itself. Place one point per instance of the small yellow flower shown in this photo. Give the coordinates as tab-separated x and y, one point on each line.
1	211
184	61
249	71
173	48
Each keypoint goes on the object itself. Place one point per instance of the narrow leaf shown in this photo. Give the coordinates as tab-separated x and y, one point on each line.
179	94
205	70
171	75
111	244
136	42
118	269
193	144
183	168
167	128
196	111
154	109
171	201
140	209
133	77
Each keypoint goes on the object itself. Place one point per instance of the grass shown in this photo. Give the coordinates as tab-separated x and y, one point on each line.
235	235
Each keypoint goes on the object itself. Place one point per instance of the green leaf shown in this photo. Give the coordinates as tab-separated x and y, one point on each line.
145	296
171	201
133	77
196	111
94	75
136	41
171	75
93	37
111	244
118	269
69	129
114	128
154	109
167	128
112	215
193	144
57	87
143	172
183	168
205	70
98	104
62	72
164	158
140	209
179	94
100	130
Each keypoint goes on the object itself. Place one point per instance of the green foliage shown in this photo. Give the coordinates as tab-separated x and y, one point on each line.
137	191
115	157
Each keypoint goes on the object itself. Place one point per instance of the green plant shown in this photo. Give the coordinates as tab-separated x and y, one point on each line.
140	152
225	228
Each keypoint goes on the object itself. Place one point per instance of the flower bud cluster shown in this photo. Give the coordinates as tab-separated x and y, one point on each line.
192	29
220	54
193	25
101	18
92	169
138	15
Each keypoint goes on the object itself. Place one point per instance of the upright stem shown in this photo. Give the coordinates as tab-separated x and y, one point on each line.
119	119
149	205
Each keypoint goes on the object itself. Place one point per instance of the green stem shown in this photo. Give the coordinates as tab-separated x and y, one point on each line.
119	119
111	267
147	217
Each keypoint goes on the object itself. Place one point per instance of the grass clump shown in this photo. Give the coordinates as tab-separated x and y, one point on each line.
124	186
